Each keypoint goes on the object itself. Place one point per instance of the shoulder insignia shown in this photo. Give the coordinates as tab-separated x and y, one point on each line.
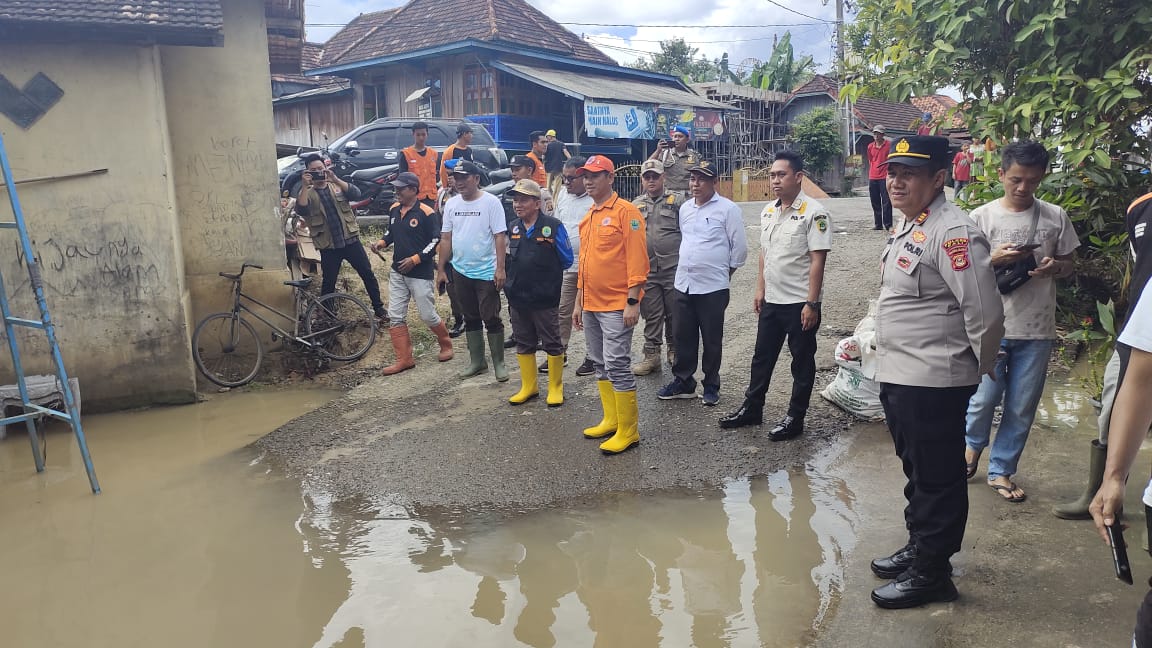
671	199
922	217
803	208
635	224
957	251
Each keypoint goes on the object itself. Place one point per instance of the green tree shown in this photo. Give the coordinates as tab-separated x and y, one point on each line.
678	58
816	136
1073	74
782	71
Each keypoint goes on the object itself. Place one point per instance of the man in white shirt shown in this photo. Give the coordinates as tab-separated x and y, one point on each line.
795	237
474	240
1025	232
572	204
712	246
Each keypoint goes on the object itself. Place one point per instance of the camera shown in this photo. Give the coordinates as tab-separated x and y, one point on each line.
317	175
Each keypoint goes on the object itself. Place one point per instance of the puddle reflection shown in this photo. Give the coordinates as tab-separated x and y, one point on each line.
754	564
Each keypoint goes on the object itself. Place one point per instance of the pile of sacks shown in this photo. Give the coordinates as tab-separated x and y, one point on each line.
855	390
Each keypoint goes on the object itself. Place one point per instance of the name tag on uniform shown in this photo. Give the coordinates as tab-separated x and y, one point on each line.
906	262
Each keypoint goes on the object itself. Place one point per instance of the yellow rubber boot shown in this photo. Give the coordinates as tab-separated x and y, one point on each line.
555	380
528	387
607	425
627	432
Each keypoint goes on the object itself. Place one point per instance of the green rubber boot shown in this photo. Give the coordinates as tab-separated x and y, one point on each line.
476	362
496	348
1078	510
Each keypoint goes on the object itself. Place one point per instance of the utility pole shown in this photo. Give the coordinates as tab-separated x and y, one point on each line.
840	36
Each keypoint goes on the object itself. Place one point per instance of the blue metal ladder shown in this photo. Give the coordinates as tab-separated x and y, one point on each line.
33	411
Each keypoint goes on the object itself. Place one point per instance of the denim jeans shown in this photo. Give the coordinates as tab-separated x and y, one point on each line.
1020	372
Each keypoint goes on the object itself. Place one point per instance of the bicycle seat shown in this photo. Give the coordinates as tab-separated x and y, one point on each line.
299	283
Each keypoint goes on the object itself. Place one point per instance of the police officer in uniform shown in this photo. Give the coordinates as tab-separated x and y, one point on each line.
677	158
939	322
661	210
538	254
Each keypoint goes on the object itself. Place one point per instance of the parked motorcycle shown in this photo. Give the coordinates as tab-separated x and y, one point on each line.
376	194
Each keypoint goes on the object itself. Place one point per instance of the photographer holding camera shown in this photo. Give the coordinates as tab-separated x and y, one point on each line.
324	206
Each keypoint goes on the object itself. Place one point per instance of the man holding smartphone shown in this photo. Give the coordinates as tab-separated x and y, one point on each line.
324	206
677	159
1020	228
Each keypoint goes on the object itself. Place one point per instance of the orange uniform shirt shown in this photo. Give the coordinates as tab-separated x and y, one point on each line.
449	153
539	176
424	166
613	255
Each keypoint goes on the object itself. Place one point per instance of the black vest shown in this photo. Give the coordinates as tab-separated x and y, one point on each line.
534	271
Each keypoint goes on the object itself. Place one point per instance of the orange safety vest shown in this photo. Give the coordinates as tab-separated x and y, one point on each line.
424	166
540	176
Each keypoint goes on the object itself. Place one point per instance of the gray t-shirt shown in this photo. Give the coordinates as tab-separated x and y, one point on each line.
1030	310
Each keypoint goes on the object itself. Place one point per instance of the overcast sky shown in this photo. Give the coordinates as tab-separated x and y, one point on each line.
703	27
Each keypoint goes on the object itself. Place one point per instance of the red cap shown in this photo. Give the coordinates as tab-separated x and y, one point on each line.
599	163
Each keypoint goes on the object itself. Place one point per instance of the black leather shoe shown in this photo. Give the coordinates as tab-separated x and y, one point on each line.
746	415
457	329
787	428
896	564
916	588
509	343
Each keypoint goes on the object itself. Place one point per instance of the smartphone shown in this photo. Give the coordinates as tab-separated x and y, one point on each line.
1025	247
442	288
1119	553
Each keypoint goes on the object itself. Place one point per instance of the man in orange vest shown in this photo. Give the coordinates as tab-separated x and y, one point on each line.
539	143
421	160
461	149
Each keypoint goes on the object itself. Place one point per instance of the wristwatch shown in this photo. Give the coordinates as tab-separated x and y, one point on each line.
632	301
813	305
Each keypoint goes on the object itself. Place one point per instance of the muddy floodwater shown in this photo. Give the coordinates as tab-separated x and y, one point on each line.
196	541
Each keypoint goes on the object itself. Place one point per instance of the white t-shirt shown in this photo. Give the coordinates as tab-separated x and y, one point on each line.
1137	334
474	226
570	210
1030	310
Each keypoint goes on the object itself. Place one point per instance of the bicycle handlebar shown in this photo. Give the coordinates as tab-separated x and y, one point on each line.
243	267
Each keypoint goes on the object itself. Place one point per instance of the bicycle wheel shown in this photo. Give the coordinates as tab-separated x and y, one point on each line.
226	349
341	326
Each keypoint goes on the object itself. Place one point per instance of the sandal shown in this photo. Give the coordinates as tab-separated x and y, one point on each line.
971	472
1001	490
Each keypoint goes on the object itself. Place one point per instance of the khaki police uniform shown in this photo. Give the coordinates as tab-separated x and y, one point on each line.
939	321
676	167
662	218
789	233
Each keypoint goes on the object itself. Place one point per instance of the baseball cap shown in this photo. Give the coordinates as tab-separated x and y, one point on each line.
522	161
879	129
463	128
919	150
464	167
525	188
703	167
598	164
406	179
655	166
551	132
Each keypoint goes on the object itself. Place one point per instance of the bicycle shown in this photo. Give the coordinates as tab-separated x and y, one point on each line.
228	352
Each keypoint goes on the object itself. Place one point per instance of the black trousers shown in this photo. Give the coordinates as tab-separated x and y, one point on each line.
356	257
700	322
453	298
779	322
927	427
479	304
881	204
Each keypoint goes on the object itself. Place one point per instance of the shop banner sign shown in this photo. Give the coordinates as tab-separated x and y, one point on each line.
619	121
704	124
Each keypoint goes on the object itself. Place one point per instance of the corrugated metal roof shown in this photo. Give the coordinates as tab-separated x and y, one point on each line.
580	85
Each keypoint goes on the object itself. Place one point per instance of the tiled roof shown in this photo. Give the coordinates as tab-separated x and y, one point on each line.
193	15
422	24
310	58
891	115
939	105
351	34
819	84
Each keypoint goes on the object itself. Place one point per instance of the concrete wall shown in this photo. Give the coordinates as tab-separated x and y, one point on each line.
219	108
129	258
108	245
